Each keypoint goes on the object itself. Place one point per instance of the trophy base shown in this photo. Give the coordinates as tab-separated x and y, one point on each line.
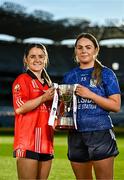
64	123
64	127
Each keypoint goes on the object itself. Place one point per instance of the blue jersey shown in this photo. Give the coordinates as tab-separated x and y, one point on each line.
90	116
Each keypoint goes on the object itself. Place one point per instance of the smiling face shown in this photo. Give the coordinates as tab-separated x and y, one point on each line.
85	52
35	59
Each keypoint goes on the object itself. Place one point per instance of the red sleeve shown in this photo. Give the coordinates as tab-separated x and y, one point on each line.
20	91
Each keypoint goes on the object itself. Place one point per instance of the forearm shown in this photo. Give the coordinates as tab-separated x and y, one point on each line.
111	103
30	105
34	103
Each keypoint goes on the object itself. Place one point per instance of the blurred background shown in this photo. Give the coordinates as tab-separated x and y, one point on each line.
56	24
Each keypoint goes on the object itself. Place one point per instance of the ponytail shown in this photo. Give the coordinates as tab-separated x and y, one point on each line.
97	72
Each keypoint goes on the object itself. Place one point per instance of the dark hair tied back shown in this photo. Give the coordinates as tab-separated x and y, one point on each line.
96	75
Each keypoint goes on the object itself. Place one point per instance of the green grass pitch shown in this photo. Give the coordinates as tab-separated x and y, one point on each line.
61	168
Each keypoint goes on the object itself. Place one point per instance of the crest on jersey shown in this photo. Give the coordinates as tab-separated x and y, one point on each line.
17	87
20	153
92	83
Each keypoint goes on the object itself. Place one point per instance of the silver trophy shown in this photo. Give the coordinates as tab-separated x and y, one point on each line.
65	108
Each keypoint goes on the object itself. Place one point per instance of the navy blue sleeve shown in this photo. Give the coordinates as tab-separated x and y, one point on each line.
110	82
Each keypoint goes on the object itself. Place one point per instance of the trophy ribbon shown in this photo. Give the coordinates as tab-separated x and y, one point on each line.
75	106
54	106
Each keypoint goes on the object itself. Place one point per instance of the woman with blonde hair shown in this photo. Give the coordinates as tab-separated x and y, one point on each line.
32	99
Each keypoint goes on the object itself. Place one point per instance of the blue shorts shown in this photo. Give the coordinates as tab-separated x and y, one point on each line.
34	155
91	146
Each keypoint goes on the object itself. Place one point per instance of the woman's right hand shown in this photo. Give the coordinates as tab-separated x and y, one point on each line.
48	95
34	103
83	92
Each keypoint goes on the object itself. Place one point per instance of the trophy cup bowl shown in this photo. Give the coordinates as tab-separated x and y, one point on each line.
65	108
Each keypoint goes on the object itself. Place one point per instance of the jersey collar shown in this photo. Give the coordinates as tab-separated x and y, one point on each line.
30	73
33	76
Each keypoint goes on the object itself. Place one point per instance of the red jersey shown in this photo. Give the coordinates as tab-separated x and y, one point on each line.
32	131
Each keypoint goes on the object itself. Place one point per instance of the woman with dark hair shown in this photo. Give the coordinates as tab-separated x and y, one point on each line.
93	144
32	99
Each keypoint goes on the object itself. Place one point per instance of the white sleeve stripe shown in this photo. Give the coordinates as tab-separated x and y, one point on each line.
19	102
